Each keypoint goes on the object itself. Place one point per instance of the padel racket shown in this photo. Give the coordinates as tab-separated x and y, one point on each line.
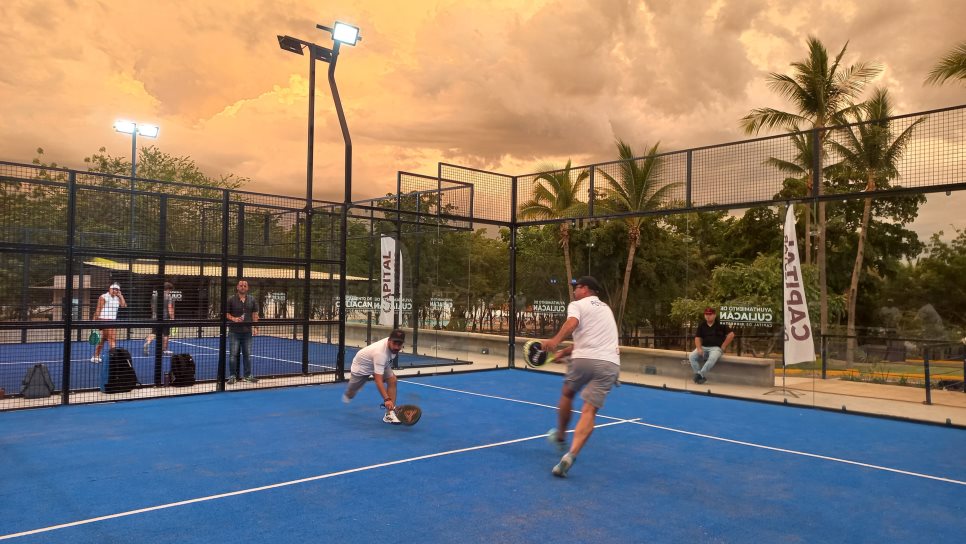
408	414
94	338
534	355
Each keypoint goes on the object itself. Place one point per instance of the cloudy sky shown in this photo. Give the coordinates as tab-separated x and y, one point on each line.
497	84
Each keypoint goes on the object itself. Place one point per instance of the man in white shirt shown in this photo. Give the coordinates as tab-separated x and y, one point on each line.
375	360
594	366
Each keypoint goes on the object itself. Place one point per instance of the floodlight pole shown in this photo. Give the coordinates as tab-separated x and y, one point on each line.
344	219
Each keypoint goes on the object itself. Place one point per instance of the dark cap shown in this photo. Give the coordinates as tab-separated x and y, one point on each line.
397	336
709	311
588	282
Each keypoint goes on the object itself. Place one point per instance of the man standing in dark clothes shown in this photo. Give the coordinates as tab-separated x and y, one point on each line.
242	315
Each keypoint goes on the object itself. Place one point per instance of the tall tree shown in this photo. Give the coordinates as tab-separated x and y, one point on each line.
822	92
952	66
556	196
637	189
871	155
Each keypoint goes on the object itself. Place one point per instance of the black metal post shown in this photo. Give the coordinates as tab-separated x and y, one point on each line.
925	370
309	170
223	302
68	302
159	286
512	337
824	356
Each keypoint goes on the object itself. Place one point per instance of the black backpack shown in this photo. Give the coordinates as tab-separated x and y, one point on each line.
121	377
182	371
36	383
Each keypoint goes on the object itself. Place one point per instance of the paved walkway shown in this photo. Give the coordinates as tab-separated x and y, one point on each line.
859	397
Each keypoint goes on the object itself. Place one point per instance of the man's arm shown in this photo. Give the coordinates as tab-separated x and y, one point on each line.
381	386
569	326
728	339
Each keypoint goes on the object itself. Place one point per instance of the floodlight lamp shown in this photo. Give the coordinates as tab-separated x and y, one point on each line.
345	33
127	127
151	131
289	43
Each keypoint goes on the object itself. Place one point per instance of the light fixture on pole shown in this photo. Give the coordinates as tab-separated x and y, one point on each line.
342	33
132	128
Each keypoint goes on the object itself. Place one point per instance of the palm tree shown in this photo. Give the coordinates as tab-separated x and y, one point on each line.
952	66
555	196
870	155
823	93
637	190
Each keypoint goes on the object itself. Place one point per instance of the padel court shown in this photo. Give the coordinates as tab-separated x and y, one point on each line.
298	465
271	356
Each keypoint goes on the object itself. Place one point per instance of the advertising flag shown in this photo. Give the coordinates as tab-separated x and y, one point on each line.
387	291
799	341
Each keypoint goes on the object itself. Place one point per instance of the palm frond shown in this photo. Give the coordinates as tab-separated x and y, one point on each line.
951	66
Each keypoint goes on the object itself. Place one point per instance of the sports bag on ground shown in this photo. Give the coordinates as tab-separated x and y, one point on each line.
36	383
182	370
121	377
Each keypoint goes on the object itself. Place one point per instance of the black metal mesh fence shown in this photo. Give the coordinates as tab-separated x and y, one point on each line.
177	253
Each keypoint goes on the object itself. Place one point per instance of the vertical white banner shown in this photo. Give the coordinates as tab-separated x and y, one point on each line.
387	280
799	343
399	297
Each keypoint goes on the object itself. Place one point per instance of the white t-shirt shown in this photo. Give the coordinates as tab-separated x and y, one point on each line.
372	359
109	309
596	334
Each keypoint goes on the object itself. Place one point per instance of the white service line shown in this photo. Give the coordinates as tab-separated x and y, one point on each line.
712	437
285	484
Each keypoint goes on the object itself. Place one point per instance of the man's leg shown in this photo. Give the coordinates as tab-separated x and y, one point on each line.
233	348
585	427
247	352
391	387
713	355
695	361
564	410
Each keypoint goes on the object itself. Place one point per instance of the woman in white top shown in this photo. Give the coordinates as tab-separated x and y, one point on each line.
107	306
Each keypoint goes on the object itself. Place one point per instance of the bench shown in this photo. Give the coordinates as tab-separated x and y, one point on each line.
674	364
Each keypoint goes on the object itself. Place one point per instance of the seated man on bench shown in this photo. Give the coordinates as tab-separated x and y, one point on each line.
711	338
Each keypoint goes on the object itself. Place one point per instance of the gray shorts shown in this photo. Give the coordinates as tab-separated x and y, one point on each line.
356	381
594	376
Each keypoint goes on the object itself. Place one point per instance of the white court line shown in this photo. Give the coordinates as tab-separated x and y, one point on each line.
718	438
803	453
285	484
189	344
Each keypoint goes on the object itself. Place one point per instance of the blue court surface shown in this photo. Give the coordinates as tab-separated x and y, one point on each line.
271	356
298	465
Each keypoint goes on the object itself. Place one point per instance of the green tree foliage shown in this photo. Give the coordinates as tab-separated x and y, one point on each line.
870	156
638	188
556	195
936	278
822	93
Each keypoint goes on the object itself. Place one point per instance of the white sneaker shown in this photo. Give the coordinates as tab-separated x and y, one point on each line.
346	399
390	417
95	359
168	352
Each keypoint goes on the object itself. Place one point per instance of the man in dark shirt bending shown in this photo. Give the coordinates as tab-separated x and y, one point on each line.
711	338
